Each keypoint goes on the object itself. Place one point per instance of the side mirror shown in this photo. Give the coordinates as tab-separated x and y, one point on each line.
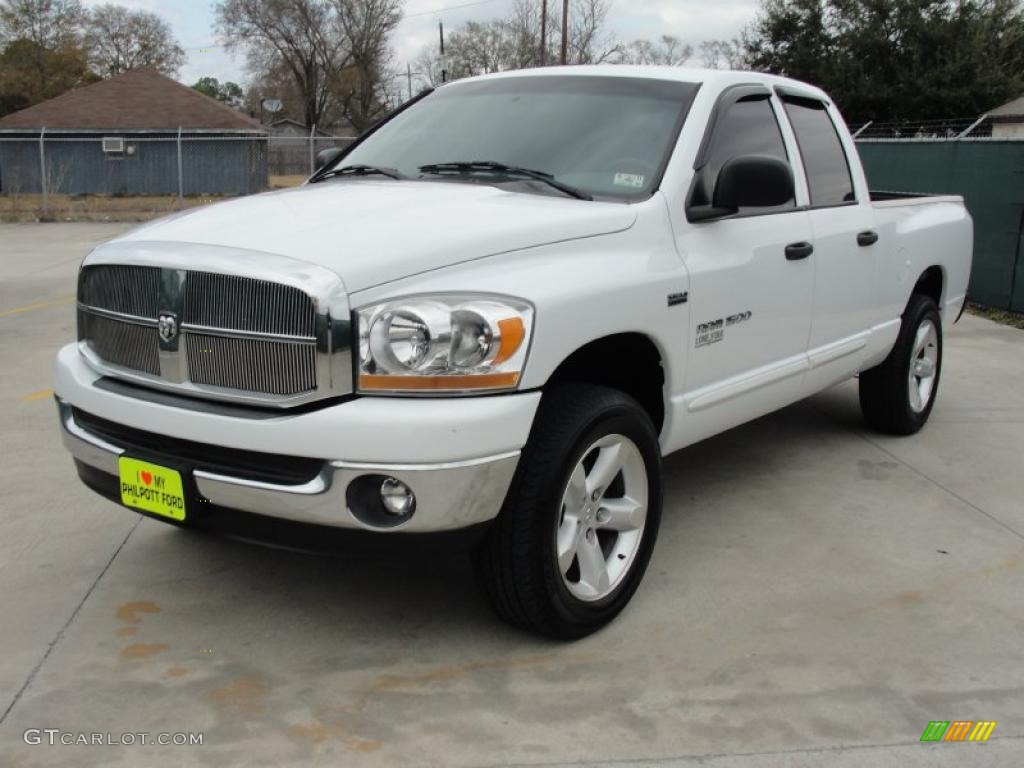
327	156
747	181
753	181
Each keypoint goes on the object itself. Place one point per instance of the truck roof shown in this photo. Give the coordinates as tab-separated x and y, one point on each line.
714	78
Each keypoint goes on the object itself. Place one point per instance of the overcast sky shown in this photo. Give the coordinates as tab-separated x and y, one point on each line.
690	20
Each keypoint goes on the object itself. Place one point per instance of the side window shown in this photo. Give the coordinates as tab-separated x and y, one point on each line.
749	127
828	172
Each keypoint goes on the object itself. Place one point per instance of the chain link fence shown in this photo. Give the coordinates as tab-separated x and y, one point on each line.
950	129
87	177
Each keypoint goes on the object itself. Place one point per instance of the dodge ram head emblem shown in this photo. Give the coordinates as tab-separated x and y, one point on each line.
167	326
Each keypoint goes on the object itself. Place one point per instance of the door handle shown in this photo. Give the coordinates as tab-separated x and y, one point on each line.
797	251
867	238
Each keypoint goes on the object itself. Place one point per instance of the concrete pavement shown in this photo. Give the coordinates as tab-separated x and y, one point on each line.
818	595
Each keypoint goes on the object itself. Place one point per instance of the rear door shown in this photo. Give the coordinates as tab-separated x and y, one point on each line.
845	244
750	291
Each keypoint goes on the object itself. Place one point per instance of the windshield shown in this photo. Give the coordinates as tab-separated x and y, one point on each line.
606	136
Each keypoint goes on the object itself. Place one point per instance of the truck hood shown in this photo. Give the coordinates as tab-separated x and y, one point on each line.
371	232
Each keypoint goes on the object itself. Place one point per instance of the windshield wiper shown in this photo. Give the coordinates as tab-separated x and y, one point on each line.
362	170
460	167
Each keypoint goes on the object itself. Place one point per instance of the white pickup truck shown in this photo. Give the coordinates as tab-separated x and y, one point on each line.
491	316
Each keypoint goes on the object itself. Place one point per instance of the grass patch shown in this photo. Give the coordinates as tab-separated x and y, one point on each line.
1001	316
16	207
282	182
94	207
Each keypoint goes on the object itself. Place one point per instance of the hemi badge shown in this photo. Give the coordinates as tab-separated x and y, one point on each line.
678	298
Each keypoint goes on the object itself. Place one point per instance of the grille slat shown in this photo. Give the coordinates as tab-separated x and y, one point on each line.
252	365
126	344
120	288
228	303
237	303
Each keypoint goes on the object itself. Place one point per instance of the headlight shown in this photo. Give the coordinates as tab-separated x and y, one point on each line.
446	344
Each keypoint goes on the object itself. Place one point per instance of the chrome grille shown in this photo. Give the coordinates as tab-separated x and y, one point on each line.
247	304
130	345
252	365
126	289
261	339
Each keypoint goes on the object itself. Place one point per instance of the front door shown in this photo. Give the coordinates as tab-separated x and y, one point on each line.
751	287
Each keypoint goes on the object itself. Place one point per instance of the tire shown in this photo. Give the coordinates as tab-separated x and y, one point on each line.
887	391
578	428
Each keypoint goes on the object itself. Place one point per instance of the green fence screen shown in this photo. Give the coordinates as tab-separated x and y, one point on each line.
990	176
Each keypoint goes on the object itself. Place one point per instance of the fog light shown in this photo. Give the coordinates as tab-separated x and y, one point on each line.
397	498
380	501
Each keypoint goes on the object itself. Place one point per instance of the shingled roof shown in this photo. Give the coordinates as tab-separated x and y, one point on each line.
142	99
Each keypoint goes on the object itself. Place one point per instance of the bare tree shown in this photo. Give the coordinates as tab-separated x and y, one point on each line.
589	42
667	50
364	86
525	31
721	54
119	39
49	24
300	35
336	51
477	48
489	47
514	42
427	67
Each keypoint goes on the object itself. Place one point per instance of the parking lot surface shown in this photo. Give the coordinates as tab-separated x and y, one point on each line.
818	594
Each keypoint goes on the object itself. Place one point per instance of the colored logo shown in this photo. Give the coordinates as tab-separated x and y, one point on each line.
958	730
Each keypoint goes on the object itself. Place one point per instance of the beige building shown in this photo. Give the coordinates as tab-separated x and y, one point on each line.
1008	120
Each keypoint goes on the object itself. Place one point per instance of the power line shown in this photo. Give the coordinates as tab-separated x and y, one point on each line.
447	8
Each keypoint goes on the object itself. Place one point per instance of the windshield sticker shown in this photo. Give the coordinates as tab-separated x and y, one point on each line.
631	180
714	331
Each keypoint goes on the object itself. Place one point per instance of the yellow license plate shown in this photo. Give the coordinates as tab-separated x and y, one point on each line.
151	488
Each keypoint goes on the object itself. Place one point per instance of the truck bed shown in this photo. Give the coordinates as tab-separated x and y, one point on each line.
889	199
917	231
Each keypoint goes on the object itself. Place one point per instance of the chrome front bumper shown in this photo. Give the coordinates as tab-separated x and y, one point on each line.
449	496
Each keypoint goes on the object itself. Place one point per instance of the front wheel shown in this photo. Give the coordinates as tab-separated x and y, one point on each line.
579	523
897	396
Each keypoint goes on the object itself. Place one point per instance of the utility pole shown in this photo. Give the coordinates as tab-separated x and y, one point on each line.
543	32
408	75
565	30
444	68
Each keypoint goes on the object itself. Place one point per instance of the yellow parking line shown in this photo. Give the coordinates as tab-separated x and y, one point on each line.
37	305
42	394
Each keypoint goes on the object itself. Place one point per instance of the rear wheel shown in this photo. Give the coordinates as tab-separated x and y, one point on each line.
897	396
578	526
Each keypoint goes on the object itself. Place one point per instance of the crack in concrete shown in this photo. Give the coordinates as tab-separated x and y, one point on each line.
920	473
63	629
937	484
700	758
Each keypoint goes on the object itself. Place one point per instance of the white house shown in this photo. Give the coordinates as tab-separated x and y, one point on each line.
1008	120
